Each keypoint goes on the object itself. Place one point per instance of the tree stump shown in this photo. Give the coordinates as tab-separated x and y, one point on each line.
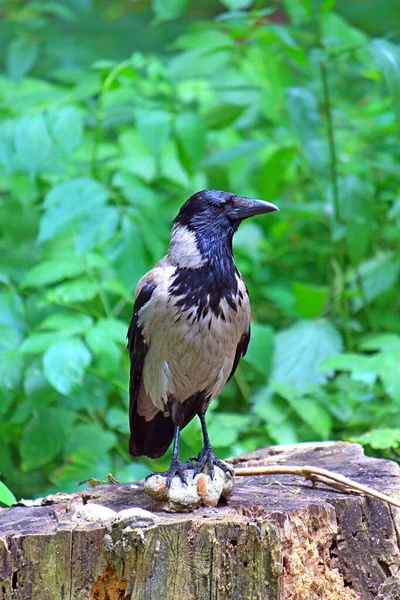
277	538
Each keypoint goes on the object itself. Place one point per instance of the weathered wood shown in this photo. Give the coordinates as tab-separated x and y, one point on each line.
277	538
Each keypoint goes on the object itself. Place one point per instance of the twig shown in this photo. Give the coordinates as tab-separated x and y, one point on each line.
317	475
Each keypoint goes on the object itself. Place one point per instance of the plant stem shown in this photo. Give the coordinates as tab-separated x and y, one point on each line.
102	294
332	144
242	384
109	80
367	311
339	248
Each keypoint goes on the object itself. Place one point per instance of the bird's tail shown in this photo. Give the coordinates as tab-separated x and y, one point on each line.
150	438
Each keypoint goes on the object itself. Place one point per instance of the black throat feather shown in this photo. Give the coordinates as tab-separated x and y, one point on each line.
204	287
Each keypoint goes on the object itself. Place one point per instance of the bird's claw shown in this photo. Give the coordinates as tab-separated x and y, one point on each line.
176	468
207	457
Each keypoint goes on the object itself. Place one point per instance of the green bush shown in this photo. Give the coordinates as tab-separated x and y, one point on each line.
96	156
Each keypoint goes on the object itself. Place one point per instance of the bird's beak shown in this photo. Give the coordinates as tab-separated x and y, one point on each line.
247	207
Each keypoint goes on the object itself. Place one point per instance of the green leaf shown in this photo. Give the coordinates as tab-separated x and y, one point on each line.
9	338
349	362
275	168
310	299
64	364
219	116
316	417
291	394
6	495
97	228
12	311
339	34
191	135
38	392
377	275
44	437
117	287
261	348
24	189
153	127
205	40
128	271
115	329
236	4
270	408
356	209
166	10
300	350
32	142
132	472
248	240
37	343
137	157
72	292
89	441
386	56
284	433
380	439
303	109
362	367
224	428
11	365
136	192
59	10
52	271
245	148
117	419
317	6
199	62
66	127
297	12
91	397
171	167
67	203
394	212
388	364
22	55
70	323
106	352
381	341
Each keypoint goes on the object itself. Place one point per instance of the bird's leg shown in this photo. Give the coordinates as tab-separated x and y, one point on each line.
176	467
207	455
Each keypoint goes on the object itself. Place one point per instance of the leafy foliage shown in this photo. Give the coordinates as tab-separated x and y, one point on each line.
99	148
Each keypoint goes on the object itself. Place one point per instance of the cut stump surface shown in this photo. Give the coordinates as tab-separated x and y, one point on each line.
277	538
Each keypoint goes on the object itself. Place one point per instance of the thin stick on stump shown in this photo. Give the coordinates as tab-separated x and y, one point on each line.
317	475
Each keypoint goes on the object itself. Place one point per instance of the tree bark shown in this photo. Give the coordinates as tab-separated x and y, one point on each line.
276	538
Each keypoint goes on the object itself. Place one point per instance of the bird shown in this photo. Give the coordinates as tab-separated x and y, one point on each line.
190	327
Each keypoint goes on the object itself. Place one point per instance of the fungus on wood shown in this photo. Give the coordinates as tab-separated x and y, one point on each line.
276	538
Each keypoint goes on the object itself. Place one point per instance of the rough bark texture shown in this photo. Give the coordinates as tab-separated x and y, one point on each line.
277	538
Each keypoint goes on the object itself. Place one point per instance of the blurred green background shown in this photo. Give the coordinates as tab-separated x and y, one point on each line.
113	112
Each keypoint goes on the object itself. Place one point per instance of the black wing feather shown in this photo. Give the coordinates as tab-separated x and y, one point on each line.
241	350
149	438
143	297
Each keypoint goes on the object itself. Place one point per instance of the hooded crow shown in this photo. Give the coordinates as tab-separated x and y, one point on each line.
189	329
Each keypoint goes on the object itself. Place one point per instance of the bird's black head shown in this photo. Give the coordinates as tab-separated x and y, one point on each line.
201	246
204	227
217	214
